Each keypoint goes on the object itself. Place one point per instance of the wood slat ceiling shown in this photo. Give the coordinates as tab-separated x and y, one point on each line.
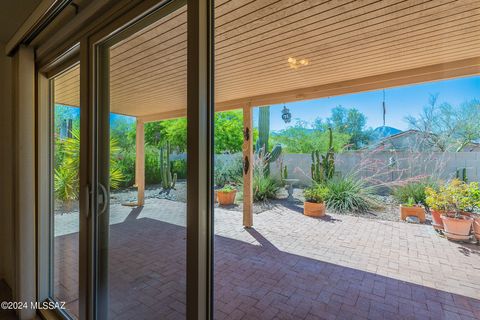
343	40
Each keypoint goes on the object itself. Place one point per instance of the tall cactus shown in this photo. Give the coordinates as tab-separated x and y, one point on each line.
261	145
168	179
323	166
263	128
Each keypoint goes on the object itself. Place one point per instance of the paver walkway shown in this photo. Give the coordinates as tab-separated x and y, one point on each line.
292	267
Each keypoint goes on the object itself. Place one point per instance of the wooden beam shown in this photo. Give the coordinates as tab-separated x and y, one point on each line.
140	163
164	115
247	166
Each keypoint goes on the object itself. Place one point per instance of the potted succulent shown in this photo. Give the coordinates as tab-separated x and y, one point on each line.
410	208
314	205
226	195
452	202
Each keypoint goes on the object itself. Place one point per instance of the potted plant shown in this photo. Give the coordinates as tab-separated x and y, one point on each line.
314	205
451	201
474	207
226	195
410	208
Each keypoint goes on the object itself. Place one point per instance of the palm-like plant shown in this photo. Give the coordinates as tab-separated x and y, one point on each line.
66	182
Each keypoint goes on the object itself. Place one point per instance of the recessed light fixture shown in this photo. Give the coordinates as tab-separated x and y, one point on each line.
297	63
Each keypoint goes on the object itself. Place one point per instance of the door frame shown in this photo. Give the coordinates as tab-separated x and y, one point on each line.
200	111
200	115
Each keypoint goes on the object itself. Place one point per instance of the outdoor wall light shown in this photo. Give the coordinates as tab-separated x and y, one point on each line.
297	63
286	115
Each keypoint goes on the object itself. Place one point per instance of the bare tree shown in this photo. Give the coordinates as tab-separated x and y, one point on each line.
446	127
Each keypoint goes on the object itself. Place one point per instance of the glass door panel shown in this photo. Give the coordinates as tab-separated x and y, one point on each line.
64	215
141	228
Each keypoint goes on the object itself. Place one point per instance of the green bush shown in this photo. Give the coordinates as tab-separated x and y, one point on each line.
264	187
227	188
350	195
415	190
455	196
316	193
228	170
180	168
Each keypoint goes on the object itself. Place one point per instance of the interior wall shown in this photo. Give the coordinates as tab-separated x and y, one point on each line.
6	170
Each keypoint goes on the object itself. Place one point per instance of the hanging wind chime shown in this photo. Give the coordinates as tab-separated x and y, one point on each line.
286	115
384	108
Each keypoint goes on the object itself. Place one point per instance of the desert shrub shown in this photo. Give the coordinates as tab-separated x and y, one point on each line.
264	187
350	194
180	168
228	169
455	196
415	190
126	165
152	164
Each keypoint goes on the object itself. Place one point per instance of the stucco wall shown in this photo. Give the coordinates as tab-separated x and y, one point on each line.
6	170
388	166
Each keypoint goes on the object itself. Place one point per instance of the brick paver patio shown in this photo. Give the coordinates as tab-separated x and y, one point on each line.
289	267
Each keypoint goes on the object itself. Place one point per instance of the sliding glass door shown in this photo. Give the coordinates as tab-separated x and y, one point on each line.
141	130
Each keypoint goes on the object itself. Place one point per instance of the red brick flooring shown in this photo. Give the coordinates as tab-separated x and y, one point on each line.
293	267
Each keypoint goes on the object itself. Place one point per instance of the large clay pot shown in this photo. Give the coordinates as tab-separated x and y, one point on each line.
226	198
313	209
417	211
457	228
437	220
476	227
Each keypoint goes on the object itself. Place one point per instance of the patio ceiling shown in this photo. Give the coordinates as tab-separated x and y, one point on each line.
343	41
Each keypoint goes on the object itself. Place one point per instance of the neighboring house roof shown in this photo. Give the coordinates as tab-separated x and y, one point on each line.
414	140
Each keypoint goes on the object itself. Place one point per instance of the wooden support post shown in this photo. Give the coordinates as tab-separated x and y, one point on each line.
140	162
247	166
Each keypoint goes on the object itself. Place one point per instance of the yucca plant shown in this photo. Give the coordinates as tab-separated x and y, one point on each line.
66	180
264	188
66	184
350	194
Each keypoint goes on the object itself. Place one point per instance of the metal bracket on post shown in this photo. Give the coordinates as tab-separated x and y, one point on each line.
246	165
246	134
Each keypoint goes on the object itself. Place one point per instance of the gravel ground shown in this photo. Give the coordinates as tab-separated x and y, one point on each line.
388	212
151	192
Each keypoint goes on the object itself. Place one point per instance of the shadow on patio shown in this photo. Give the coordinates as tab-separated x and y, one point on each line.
147	277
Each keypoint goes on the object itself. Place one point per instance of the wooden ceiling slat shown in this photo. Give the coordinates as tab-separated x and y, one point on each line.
150	68
249	33
339	54
303	81
281	68
321	30
343	40
341	31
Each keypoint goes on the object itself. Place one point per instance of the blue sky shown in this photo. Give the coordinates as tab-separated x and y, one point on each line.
400	102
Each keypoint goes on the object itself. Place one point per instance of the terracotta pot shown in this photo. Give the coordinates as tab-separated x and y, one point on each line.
226	198
417	211
476	227
313	209
437	220
457	228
